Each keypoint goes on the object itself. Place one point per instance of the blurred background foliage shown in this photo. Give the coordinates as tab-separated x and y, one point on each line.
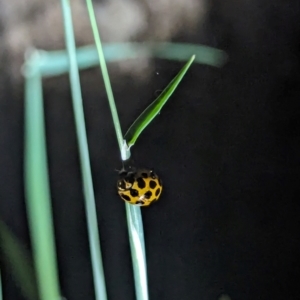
228	219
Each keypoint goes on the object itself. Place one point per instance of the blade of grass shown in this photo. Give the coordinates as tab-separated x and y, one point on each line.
204	54
138	252
57	62
19	262
134	217
154	108
37	186
93	232
105	75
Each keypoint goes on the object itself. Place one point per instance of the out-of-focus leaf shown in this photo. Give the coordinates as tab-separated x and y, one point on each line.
19	262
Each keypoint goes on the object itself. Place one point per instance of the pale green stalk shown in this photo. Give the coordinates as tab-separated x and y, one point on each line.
105	75
134	217
37	185
93	232
57	62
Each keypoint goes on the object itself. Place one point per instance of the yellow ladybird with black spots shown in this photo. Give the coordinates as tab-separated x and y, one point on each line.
141	187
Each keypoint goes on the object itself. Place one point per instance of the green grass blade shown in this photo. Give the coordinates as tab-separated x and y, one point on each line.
138	252
134	216
19	263
37	186
57	62
154	108
105	75
204	54
92	223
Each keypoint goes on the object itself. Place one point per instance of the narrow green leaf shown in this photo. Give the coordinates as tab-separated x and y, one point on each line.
37	190
134	216
138	252
105	74
154	108
53	63
86	173
19	263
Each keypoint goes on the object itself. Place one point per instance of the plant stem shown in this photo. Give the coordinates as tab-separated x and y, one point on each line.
134	217
54	63
138	253
93	232
105	75
37	186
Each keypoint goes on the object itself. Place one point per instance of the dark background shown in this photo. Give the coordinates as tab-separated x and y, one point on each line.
226	146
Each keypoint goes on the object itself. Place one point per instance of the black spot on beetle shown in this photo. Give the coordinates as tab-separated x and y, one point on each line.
130	178
144	175
134	193
121	185
152	174
125	197
148	195
139	202
152	184
157	192
141	183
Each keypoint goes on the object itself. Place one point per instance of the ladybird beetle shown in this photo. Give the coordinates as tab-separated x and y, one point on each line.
141	187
